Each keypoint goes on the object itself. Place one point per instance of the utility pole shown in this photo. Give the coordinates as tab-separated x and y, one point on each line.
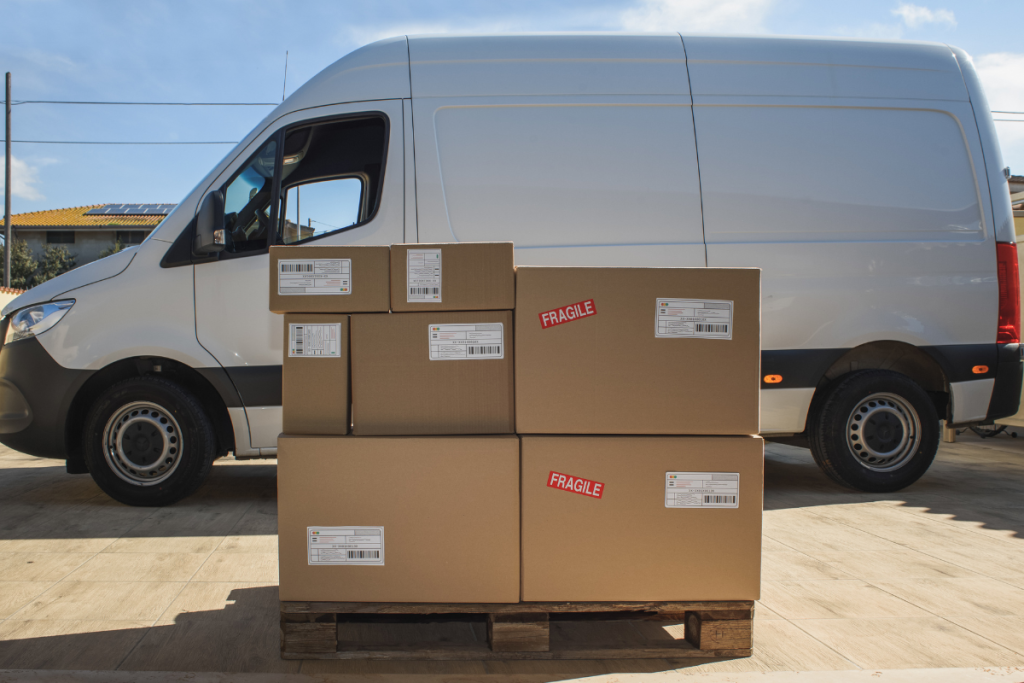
7	186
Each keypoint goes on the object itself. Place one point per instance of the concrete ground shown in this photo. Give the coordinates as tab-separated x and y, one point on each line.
861	586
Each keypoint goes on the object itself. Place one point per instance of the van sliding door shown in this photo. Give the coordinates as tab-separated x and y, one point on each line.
580	150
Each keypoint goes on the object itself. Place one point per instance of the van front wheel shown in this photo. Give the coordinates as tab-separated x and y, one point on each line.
148	442
875	431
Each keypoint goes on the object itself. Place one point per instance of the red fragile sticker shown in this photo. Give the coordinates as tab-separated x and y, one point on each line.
583	309
565	482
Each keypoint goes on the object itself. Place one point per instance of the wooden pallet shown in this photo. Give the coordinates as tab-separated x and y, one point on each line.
531	630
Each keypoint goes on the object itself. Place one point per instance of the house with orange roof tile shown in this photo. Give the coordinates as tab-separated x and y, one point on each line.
87	231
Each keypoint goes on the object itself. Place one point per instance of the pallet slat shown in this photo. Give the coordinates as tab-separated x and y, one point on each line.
320	630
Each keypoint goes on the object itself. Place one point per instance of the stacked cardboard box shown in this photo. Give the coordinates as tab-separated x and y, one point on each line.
398	469
615	460
637	397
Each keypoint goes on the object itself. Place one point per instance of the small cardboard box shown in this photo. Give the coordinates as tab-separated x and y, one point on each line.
314	374
621	518
399	519
637	350
329	279
432	373
465	276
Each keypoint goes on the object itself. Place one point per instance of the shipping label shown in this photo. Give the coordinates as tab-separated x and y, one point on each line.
314	276
482	341
702	489
566	482
558	316
423	275
314	341
345	545
693	319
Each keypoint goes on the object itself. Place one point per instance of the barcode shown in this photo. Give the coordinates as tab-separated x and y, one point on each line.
299	338
483	350
704	327
296	267
364	554
424	290
720	500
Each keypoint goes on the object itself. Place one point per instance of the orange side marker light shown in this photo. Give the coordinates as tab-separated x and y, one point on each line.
775	379
979	369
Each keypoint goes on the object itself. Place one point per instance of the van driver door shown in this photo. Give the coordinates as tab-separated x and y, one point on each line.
330	175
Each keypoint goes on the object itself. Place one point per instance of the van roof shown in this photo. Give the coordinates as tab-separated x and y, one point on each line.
633	64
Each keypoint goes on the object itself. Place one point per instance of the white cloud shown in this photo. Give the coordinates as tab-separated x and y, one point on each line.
24	178
915	15
731	16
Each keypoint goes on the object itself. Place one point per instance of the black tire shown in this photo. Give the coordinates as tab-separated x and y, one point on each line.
160	447
891	406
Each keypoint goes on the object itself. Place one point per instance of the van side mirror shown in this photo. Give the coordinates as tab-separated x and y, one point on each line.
210	236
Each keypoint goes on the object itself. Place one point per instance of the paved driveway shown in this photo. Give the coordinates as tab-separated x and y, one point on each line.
932	577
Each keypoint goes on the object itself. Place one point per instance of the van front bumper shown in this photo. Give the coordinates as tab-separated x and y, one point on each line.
36	394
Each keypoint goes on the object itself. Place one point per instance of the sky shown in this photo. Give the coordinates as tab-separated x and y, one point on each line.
234	51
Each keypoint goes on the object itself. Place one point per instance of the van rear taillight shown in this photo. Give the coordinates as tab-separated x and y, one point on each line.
1009	294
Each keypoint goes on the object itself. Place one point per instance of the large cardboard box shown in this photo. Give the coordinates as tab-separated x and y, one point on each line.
399	519
314	374
432	373
465	276
637	350
330	279
640	518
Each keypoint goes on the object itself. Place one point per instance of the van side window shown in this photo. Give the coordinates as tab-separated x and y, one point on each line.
330	178
247	203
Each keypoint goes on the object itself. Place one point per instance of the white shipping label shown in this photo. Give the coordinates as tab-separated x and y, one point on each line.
423	275
314	341
483	341
693	318
702	489
345	545
314	276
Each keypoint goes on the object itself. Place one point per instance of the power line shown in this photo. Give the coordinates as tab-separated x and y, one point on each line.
93	142
154	104
1010	120
997	111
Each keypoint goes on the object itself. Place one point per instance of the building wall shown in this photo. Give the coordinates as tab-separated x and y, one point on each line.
87	246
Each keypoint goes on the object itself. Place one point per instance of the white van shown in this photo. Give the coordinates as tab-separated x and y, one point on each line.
863	178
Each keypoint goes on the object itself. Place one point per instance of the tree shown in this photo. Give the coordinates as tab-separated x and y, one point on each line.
56	261
114	248
23	265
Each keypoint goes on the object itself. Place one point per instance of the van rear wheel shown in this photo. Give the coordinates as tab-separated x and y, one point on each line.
148	442
875	431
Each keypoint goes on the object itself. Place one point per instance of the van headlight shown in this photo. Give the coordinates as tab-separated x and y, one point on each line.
34	320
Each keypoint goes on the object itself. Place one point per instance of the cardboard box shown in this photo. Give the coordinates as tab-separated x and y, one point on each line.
466	276
329	279
616	351
603	520
437	517
432	373
314	374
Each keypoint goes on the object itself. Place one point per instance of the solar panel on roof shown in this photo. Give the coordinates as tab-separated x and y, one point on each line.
131	210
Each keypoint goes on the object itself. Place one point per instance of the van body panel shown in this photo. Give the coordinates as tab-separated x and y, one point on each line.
160	299
525	65
784	411
54	289
843	212
999	194
232	315
808	67
970	399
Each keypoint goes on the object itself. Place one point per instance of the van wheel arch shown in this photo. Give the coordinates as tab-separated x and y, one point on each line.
895	356
182	374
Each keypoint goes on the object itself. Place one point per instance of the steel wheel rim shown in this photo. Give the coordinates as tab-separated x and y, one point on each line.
142	443
883	432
